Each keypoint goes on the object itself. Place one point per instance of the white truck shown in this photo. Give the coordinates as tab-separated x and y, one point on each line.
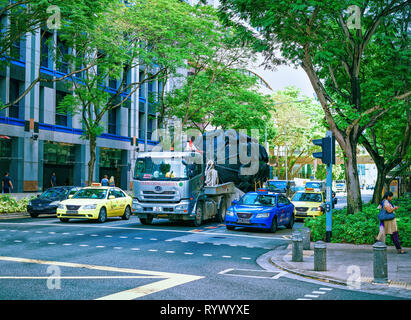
172	185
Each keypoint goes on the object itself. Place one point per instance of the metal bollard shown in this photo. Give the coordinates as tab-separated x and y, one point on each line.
320	256
380	262
297	255
306	234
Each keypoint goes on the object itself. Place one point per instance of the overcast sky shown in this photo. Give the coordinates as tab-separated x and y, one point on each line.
285	76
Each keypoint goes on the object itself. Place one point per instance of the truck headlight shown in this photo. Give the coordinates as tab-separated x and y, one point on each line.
182	207
263	215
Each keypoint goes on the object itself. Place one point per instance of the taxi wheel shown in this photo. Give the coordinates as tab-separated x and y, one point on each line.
102	216
64	219
291	223
127	214
273	227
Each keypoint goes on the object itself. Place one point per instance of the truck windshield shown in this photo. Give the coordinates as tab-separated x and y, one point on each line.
280	185
160	169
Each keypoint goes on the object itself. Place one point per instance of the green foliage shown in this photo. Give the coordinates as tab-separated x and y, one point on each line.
362	227
9	205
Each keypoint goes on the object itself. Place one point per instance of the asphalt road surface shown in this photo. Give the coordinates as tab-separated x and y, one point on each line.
44	259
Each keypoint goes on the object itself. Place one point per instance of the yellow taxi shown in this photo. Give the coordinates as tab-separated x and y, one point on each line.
96	202
308	203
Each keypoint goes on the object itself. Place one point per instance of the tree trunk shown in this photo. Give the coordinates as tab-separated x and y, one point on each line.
354	203
91	163
379	185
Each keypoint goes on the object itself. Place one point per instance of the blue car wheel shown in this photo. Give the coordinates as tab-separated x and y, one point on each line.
273	227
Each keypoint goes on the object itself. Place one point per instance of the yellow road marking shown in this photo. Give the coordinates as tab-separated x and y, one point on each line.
171	279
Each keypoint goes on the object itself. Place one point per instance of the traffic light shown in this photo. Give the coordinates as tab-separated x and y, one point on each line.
327	155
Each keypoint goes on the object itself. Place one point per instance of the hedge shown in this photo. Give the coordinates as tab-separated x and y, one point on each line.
362	227
9	205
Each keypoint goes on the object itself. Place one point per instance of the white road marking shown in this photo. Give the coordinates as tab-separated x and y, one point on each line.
170	251
118	248
51	243
207	255
246	258
310	296
18	241
319	292
100	246
153	250
226	257
188	253
83	245
67	244
171	279
326	289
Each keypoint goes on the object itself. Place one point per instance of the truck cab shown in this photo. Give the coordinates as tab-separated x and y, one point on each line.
166	184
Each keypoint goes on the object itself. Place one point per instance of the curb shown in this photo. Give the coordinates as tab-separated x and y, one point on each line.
14	215
310	275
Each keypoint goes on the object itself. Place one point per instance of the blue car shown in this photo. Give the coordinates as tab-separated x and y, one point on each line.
261	209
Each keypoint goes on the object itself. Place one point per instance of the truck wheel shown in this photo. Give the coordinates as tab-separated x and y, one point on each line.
198	220
147	220
220	217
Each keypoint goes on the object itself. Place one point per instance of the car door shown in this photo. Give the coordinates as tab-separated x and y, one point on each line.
121	201
282	208
112	203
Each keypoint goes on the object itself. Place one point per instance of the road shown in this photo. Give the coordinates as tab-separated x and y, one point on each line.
45	259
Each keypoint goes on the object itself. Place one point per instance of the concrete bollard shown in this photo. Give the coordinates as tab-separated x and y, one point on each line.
380	262
297	254
306	234
320	256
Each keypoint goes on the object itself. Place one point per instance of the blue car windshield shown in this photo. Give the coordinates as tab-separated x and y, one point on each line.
257	200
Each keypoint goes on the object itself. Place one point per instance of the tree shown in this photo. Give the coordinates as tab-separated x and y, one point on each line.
72	20
132	36
299	118
336	55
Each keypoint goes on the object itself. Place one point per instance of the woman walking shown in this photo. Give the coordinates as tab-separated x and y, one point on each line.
389	226
111	181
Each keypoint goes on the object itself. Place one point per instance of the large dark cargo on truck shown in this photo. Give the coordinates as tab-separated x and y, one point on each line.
238	158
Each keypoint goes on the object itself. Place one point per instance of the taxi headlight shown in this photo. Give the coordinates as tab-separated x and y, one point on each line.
263	215
89	207
61	206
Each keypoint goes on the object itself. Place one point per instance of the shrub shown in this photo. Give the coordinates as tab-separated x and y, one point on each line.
9	205
362	227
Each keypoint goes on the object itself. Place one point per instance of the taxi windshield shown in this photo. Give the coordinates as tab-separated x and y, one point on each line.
90	194
308	197
255	199
316	185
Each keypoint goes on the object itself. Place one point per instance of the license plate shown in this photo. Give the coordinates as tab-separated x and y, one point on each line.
157	209
243	221
72	211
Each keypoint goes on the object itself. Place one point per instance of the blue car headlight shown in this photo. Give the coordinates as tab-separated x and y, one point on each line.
263	215
230	212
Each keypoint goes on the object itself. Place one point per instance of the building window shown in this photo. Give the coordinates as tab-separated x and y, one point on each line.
46	44
112	121
62	52
14	110
61	113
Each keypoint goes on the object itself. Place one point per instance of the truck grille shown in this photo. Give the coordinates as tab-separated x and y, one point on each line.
159	196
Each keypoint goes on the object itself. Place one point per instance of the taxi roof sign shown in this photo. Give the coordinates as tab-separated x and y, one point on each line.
96	184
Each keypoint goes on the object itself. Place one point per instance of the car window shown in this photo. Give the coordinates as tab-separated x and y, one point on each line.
73	191
283	200
119	193
112	192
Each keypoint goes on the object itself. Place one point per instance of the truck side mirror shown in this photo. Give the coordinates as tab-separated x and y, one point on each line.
234	202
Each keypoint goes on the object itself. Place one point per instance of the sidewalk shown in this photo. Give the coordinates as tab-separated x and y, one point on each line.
347	263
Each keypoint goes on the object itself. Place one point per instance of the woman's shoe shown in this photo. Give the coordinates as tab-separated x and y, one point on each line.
400	251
